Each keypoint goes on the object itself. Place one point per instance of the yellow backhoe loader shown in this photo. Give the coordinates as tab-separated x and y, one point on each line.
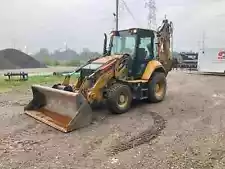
134	67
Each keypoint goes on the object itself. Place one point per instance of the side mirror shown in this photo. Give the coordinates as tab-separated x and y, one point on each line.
105	44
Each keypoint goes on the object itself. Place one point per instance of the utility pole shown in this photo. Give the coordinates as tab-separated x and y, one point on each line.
203	42
25	49
13	43
117	15
65	45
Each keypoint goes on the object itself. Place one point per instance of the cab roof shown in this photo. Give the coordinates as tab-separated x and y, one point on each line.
138	31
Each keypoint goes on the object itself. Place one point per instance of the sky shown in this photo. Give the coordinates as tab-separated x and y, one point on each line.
81	23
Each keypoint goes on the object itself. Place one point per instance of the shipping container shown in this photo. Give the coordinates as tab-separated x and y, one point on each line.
212	60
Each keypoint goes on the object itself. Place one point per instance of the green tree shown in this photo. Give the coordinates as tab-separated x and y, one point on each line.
73	63
56	63
47	60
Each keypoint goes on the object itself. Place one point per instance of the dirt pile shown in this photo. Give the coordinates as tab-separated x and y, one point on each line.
15	59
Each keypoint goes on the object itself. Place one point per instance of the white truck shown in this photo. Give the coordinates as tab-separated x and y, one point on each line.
211	60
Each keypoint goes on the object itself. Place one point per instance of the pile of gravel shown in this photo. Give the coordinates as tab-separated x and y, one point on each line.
15	59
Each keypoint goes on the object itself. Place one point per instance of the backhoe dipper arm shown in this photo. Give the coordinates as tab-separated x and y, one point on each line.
165	36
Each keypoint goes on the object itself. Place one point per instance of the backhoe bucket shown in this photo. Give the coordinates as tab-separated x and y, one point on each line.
65	111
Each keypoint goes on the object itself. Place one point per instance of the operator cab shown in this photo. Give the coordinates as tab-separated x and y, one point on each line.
138	43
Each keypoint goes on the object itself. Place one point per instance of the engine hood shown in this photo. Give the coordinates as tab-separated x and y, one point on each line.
93	66
105	59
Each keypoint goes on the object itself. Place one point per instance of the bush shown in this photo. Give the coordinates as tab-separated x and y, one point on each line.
51	62
47	61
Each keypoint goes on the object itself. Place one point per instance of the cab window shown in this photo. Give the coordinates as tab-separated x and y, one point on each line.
146	43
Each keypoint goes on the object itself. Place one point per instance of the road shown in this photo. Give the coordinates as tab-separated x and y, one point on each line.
184	131
40	71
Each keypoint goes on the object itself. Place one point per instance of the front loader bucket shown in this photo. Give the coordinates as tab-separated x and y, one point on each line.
65	111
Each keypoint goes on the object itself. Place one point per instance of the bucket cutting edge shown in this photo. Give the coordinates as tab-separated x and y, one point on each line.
65	111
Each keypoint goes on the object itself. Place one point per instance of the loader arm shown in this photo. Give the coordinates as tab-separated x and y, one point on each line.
92	85
104	76
106	73
66	80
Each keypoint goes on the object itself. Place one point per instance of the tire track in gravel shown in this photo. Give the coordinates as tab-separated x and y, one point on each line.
142	138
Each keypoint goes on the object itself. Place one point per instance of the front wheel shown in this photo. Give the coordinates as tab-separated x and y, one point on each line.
119	98
157	87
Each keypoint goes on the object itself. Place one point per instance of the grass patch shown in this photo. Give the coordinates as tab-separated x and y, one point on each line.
6	86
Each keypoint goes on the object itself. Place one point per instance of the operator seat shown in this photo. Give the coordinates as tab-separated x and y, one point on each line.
141	54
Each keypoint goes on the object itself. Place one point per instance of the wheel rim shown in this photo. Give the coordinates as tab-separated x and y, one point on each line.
159	89
122	100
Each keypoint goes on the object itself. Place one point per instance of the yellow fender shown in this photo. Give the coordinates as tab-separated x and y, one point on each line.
151	67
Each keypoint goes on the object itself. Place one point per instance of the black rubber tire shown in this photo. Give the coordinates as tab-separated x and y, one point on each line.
96	105
113	95
156	78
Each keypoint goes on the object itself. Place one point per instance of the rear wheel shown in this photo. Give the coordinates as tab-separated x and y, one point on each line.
119	98
157	87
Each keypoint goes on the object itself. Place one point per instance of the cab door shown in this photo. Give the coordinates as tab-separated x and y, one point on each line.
144	53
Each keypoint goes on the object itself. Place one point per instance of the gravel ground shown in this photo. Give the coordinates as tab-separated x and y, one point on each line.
185	131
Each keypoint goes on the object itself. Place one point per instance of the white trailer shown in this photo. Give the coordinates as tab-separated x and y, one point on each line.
212	60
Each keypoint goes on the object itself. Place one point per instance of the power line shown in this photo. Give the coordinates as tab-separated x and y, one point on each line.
129	11
151	5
